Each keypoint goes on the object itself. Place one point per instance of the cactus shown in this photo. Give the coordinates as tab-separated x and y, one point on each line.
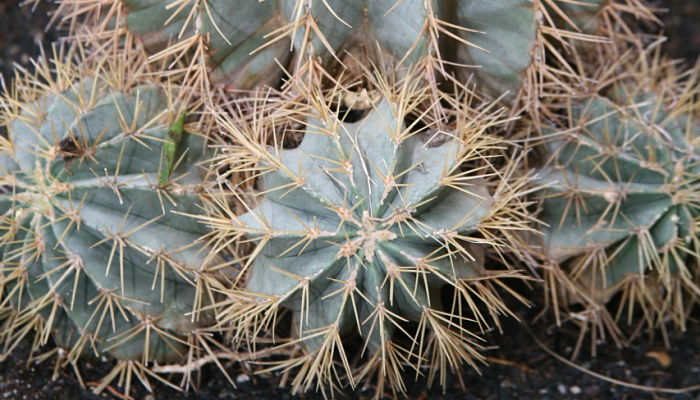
241	45
504	50
246	42
99	184
511	40
369	227
620	196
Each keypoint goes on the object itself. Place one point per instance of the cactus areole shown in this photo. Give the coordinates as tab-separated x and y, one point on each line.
94	237
358	220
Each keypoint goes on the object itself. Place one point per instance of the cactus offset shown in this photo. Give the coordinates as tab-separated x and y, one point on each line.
365	226
621	196
99	247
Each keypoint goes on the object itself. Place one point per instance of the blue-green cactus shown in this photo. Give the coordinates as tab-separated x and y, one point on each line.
251	43
620	196
100	250
365	228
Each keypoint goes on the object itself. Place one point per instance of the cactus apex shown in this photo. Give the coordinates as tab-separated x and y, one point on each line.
363	225
101	179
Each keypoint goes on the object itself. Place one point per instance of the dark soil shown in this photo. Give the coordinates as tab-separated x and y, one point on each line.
682	25
22	33
519	368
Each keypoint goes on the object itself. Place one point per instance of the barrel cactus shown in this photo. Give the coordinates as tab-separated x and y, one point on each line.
240	45
620	195
99	247
373	228
247	42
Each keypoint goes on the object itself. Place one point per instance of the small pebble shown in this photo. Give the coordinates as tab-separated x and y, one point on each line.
506	383
561	388
242	378
575	390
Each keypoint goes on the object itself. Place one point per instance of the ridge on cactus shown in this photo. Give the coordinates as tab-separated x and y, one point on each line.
375	227
620	196
510	45
99	248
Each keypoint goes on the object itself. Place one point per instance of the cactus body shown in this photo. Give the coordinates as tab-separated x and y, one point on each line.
95	241
248	41
629	178
504	49
234	30
367	226
366	229
621	194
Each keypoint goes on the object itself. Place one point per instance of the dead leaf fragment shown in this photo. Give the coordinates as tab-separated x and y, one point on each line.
661	357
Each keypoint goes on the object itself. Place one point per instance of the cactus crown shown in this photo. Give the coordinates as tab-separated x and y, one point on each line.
367	224
621	197
99	181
